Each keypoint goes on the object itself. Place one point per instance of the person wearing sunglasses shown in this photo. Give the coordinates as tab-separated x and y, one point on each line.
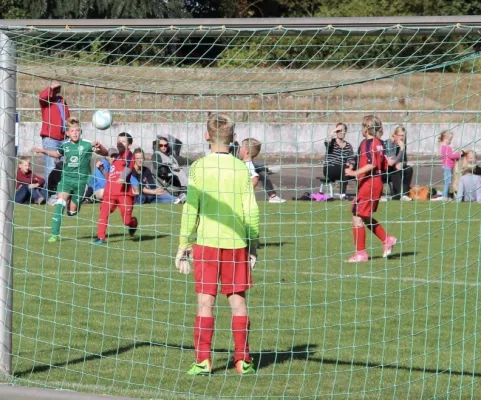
168	167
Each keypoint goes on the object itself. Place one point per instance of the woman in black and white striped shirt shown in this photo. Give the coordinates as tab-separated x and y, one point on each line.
339	154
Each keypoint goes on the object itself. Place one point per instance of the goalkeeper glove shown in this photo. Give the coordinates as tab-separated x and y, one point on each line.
252	248
182	259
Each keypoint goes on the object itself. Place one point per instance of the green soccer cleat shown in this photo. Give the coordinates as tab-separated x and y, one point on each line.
203	368
54	239
244	368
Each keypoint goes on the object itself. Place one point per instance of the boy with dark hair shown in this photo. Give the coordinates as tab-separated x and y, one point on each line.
371	165
118	191
75	174
222	213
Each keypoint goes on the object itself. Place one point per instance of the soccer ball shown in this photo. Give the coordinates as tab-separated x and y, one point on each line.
102	119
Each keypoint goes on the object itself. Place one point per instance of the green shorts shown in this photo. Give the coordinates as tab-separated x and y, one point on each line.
76	189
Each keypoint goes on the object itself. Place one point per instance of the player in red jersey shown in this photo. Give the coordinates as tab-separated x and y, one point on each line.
371	165
118	192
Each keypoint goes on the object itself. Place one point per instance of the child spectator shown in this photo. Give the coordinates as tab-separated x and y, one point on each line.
118	190
469	185
143	183
249	150
222	217
467	160
29	186
75	174
101	172
449	158
371	165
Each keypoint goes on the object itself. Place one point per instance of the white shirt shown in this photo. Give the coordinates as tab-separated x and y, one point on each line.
251	168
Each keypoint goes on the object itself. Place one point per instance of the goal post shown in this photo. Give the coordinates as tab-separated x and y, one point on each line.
116	319
7	193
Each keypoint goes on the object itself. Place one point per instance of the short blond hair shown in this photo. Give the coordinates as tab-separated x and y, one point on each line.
372	124
220	128
24	159
253	146
72	121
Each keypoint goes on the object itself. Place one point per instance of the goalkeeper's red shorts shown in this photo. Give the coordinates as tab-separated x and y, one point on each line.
367	199
230	267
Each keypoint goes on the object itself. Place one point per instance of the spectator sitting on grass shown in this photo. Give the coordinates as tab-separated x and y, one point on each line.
29	186
168	165
469	186
143	183
249	150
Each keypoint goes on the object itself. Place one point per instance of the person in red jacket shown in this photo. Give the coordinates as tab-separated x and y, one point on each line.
55	114
29	186
118	192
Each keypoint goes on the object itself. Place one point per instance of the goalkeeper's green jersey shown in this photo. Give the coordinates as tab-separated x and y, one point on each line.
221	210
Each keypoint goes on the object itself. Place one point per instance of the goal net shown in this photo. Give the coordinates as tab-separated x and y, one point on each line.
117	318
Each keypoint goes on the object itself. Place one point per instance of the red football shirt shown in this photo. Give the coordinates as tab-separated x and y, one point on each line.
371	151
113	187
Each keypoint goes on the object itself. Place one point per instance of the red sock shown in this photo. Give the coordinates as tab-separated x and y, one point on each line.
240	330
378	230
359	234
203	332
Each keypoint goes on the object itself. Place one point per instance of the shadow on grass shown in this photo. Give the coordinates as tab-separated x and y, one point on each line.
262	359
397	256
272	244
137	238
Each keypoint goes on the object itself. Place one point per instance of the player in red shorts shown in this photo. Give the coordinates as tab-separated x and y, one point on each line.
118	192
222	213
371	165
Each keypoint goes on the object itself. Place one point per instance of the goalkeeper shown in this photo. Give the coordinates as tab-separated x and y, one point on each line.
222	213
76	172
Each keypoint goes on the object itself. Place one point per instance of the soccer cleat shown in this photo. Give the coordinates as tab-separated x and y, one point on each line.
244	368
276	199
388	245
54	239
359	257
202	368
133	229
98	241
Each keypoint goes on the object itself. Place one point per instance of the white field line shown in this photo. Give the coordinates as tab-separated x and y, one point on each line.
317	222
97	391
325	274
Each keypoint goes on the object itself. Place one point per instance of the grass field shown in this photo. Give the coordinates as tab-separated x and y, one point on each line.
118	319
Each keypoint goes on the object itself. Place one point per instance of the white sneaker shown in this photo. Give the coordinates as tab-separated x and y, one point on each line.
181	199
406	198
52	200
274	170
276	199
384	198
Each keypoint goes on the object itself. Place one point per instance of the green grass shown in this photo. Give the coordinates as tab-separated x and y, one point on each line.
118	319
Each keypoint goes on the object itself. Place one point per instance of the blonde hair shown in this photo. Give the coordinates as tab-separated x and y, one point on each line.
220	128
72	121
372	124
443	134
24	159
399	128
253	146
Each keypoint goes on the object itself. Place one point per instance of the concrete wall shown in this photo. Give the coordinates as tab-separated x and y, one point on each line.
301	139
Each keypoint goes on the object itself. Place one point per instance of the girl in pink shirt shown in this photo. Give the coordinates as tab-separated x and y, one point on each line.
449	158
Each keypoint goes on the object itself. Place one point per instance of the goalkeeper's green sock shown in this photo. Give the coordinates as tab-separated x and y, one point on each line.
57	216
